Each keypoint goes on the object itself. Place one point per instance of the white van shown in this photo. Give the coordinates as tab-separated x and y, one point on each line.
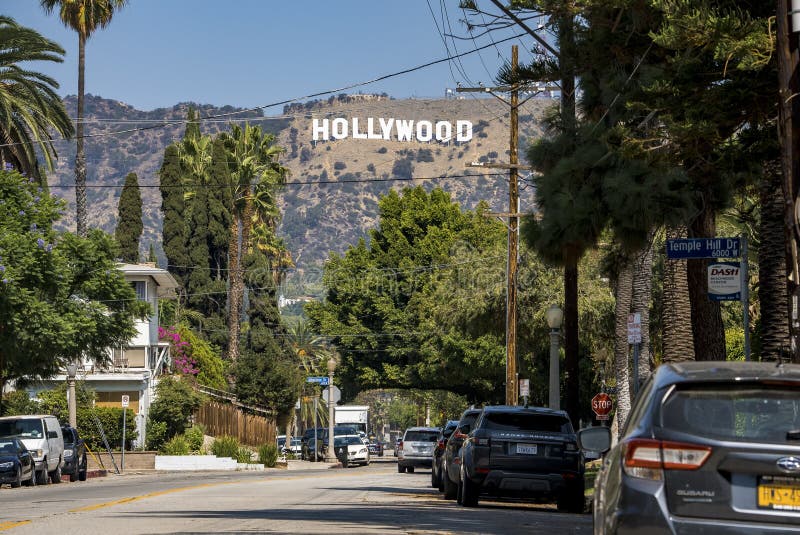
41	434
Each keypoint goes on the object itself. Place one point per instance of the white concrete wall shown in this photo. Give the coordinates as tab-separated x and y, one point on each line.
194	462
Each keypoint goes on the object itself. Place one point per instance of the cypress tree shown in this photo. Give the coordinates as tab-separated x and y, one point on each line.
219	211
129	220
151	255
199	277
175	229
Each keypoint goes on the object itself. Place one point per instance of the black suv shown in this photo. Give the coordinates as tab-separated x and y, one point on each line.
74	454
451	461
437	469
524	452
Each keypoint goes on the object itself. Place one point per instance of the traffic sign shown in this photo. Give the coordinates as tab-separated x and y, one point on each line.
725	281
322	381
602	405
682	248
524	388
635	328
337	394
126	400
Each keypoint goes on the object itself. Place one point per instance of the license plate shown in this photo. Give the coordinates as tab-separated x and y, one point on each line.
781	493
526	449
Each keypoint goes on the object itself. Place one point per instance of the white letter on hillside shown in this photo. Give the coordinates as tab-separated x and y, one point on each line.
319	132
371	134
339	128
427	135
444	131
356	133
463	130
386	128
405	130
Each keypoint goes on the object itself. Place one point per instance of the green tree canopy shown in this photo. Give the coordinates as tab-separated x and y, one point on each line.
129	220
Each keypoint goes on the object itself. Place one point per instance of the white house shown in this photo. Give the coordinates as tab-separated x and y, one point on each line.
135	368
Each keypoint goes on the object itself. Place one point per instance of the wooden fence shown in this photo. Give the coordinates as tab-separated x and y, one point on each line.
226	419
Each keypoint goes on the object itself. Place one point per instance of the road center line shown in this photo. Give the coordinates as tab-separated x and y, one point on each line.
8	525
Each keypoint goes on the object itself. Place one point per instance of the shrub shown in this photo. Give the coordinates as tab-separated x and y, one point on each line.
175	401
268	454
339	166
225	446
177	445
156	435
382	150
244	455
194	437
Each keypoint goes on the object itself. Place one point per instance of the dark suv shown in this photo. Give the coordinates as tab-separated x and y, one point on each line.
526	452
451	461
437	470
75	462
709	447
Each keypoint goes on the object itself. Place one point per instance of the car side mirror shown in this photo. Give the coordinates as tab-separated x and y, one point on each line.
595	439
52	434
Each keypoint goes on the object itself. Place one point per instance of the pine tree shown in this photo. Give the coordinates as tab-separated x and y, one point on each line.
198	281
151	255
175	230
129	220
219	211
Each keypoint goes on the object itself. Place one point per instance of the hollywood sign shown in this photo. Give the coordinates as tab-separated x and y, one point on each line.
389	129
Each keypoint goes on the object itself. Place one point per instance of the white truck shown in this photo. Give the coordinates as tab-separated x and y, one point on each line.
356	416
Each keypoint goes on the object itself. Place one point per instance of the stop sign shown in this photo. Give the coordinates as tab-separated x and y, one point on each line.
601	405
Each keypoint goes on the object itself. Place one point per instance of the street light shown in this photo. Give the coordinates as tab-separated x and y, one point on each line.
554	315
72	369
330	455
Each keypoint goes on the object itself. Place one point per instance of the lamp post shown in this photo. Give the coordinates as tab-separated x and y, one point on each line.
554	315
330	455
72	403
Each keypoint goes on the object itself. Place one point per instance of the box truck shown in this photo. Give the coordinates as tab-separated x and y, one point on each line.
356	416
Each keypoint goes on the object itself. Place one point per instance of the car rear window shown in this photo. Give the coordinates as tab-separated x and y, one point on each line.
421	436
746	414
521	421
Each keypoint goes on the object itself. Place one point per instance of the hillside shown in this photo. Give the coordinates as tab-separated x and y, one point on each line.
331	200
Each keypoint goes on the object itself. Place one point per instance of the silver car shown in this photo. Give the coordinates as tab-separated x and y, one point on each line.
416	448
709	447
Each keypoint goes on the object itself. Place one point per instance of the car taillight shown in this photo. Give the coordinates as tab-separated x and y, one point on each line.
440	445
400	445
647	458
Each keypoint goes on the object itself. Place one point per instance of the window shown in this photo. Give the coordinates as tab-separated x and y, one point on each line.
140	287
521	421
421	436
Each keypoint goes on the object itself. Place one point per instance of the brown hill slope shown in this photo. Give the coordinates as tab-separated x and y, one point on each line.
331	199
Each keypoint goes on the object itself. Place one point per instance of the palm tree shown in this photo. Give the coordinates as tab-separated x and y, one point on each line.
312	353
29	105
83	16
255	176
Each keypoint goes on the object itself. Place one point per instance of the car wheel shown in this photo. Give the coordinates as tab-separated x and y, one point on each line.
449	488
55	475
469	493
401	469
82	472
434	483
410	469
573	500
32	481
17	483
41	477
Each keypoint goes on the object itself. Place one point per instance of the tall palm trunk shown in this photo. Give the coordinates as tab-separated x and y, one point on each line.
622	307
642	295
80	155
772	290
678	338
240	238
709	331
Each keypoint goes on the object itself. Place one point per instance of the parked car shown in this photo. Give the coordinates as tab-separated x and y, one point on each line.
16	463
529	452
350	449
416	449
397	443
452	453
308	446
375	447
707	447
41	434
438	454
295	447
75	461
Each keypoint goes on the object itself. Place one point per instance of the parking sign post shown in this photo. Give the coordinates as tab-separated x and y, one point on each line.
125	402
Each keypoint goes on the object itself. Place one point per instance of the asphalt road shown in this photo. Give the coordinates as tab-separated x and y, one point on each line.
374	499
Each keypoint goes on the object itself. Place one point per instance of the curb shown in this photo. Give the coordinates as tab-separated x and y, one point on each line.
90	474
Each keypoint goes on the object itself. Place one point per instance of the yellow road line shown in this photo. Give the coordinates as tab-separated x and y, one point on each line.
8	525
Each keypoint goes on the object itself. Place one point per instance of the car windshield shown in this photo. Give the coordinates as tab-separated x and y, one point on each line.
67	437
348	441
526	421
745	414
421	436
21	428
8	446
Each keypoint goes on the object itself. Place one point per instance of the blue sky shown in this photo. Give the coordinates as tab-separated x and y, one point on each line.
248	53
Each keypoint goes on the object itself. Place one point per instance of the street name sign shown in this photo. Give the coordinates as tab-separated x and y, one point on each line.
322	381
683	248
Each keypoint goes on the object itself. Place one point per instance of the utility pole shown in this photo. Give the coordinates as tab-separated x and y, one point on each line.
512	393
